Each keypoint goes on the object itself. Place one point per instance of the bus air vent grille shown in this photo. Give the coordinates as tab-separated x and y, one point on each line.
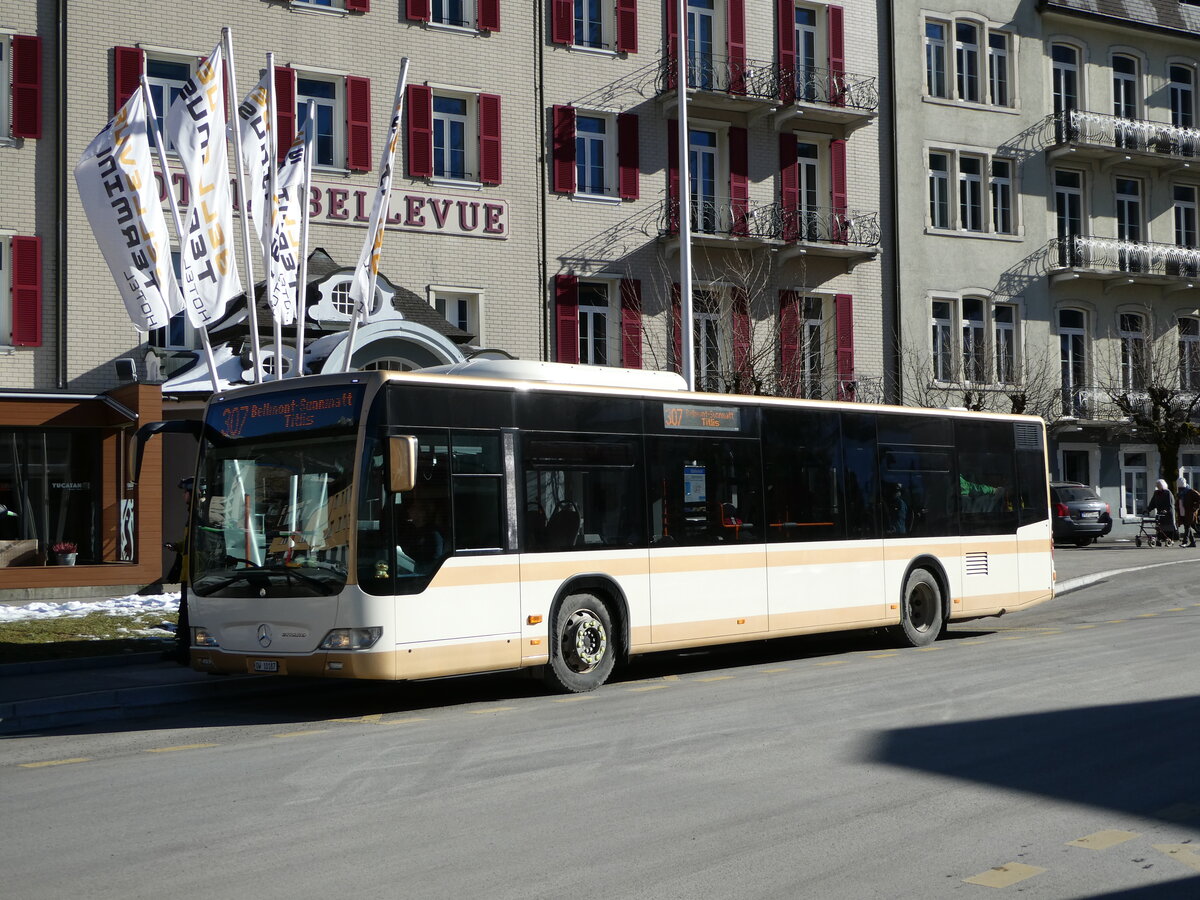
977	563
1028	437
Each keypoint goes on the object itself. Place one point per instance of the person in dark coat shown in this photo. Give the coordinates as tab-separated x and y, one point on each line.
1189	513
1162	507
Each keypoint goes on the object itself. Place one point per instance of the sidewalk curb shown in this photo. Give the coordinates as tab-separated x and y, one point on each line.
1074	584
125	703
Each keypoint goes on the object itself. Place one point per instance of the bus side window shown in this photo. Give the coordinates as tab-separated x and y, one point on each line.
704	491
803	474
862	475
478	490
987	477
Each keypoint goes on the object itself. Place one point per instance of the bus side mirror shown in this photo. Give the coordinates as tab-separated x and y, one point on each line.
402	463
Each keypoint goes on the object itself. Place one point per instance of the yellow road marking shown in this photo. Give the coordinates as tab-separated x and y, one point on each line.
832	662
1184	853
1102	840
180	747
1004	876
884	655
927	649
1084	626
650	687
670	678
1179	812
574	699
780	669
1147	615
361	720
55	762
727	677
404	721
976	641
1177	609
292	734
1013	637
494	709
1115	622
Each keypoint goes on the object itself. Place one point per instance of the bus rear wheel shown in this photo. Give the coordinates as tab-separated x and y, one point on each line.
922	611
581	645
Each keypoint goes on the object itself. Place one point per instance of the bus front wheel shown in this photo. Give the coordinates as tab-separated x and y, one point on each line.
581	645
922	614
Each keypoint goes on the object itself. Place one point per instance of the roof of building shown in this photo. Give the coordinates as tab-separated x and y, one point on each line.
1169	15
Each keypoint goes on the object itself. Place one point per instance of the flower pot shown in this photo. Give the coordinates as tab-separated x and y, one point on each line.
65	559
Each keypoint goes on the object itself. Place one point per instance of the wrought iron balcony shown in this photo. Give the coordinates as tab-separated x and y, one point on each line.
860	389
1099	404
1108	259
827	95
1113	138
823	224
720	81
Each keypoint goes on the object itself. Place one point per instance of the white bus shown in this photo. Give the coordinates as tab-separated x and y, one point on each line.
419	525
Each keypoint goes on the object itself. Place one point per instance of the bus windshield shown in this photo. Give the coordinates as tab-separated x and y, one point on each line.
272	517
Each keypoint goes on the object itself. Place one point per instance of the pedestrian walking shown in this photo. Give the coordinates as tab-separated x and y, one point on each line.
1189	514
1162	507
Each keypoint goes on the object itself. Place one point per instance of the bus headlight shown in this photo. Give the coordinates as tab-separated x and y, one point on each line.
351	638
202	637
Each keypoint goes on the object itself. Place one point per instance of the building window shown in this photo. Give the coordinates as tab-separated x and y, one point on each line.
812	364
939	190
1125	100
327	137
1064	66
1132	334
1185	215
594	322
704	162
165	79
970	193
450	149
1072	346
1183	96
706	341
1189	353
1002	197
5	298
808	173
1129	224
966	61
935	59
1135	476
590	23
943	340
451	12
1004	323
808	39
460	308
974	348
340	295
998	77
389	364
5	87
593	155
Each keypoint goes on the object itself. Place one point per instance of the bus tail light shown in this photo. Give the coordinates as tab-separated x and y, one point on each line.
351	638
202	637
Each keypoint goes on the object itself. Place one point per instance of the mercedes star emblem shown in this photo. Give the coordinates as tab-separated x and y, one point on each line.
264	635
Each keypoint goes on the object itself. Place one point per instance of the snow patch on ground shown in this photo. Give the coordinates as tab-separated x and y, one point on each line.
127	605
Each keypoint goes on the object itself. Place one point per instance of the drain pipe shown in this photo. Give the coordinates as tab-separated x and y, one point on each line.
890	155
60	202
543	291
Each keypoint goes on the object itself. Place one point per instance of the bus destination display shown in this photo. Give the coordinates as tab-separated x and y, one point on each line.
288	412
702	418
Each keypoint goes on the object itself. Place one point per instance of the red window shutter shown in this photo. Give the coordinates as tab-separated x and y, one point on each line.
488	16
837	192
628	156
490	169
736	45
743	368
631	323
417	10
562	22
566	317
672	45
789	343
127	74
627	26
739	179
673	175
837	55
358	5
285	108
786	40
564	149
27	291
419	104
789	186
844	311
26	86
358	123
677	327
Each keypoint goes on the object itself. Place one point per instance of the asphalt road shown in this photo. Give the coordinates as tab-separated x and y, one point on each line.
1052	753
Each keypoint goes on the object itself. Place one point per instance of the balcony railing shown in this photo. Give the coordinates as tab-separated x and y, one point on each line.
1095	403
860	389
806	84
742	79
1120	134
774	222
1110	256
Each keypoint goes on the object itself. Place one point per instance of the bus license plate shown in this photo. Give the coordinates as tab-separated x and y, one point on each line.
266	665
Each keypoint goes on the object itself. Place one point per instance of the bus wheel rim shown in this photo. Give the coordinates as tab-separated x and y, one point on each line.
920	607
584	641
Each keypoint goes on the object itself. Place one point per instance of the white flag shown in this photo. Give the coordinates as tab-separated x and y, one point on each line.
368	259
285	228
120	197
196	128
255	125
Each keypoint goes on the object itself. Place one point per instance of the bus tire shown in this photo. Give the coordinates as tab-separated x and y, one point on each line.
922	609
582	651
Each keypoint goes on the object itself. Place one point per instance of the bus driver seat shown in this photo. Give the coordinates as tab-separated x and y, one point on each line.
563	527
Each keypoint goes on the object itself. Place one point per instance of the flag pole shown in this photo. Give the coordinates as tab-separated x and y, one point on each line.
277	331
688	363
152	119
234	103
385	165
302	267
